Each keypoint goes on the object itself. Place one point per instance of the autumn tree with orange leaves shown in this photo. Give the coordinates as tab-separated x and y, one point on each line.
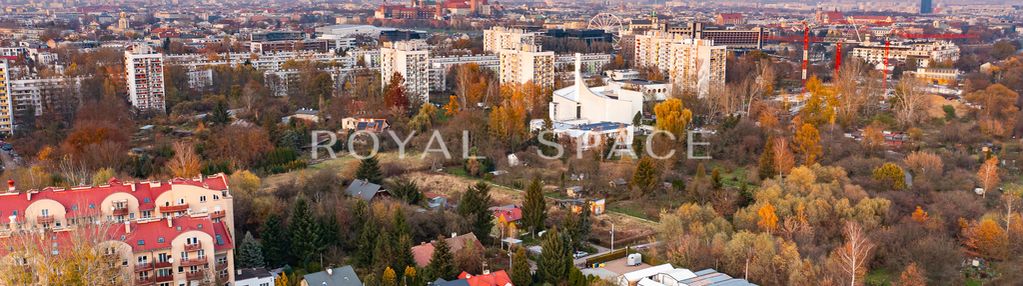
768	219
987	176
807	141
986	239
185	163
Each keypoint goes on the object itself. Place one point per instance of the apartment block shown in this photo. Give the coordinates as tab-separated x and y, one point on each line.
924	52
527	64
41	95
145	78
441	66
6	105
692	65
178	232
411	59
500	38
732	38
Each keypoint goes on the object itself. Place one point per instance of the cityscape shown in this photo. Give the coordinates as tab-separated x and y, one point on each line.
510	143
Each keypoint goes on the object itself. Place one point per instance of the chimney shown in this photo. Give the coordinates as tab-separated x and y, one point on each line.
127	227
10	186
579	70
14	222
170	222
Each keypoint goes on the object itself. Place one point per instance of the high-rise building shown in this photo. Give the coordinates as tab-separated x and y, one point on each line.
33	97
6	108
692	65
926	7
162	233
527	64
500	38
411	59
145	78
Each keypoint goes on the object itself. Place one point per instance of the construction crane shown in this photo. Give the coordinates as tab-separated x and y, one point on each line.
884	71
806	53
838	57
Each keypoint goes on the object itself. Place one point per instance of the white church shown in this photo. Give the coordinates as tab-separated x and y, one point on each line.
593	114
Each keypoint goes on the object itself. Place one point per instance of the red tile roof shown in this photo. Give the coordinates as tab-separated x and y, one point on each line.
146	236
81	201
499	278
423	252
510	214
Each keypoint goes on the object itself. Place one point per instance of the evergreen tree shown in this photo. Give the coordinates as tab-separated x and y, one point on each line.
383	251
576	277
369	170
219	114
366	243
359	216
276	242
403	252
534	211
330	230
442	262
645	178
475	205
407	191
305	234
520	274
555	258
250	254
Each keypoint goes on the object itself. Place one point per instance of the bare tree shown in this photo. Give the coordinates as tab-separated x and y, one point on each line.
910	102
83	255
854	254
185	163
854	90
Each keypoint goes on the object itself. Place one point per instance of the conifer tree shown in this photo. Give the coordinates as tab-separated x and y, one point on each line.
276	242
305	234
555	259
442	262
250	254
520	274
534	212
369	170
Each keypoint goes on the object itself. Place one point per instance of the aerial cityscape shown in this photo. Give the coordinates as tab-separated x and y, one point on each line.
511	143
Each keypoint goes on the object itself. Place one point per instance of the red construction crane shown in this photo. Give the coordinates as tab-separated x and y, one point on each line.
838	57
806	52
884	71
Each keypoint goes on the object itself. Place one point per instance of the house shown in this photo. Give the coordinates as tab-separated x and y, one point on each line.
435	200
423	252
499	278
342	276
310	115
665	274
366	191
254	277
618	183
507	213
373	125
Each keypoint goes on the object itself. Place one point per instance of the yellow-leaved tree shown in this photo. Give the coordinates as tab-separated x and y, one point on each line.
673	116
807	143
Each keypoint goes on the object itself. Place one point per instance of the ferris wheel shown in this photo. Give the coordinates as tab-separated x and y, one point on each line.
609	23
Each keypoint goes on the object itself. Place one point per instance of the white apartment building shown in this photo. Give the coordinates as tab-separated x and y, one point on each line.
500	38
441	66
270	62
925	52
693	65
411	60
145	78
44	94
527	63
6	108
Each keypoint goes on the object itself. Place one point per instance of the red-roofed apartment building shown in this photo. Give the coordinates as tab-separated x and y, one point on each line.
177	232
499	278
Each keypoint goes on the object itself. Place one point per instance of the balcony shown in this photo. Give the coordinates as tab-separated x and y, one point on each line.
165	278
44	219
193	261
144	281
196	275
162	264
193	247
174	209
221	265
144	266
120	211
218	214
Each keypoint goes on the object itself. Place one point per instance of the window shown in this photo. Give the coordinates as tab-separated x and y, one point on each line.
145	200
191	240
92	206
142	242
220	240
202	199
160	239
74	207
46	212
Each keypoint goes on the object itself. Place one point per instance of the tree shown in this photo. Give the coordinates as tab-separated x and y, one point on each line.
219	115
250	254
783	158
520	273
986	239
475	205
452	108
925	165
807	143
765	165
997	108
442	262
395	96
891	176
987	176
855	253
768	219
820	107
555	258
102	176
407	190
276	242
389	278
306	240
911	101
367	237
672	116
79	259
912	276
470	258
282	280
645	178
534	210
369	170
185	163
424	119
919	215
